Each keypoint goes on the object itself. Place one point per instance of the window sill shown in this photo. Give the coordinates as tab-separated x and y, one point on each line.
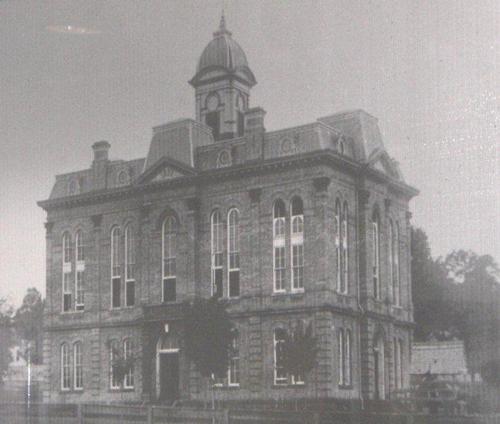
121	389
345	386
71	391
289	386
226	387
297	293
72	312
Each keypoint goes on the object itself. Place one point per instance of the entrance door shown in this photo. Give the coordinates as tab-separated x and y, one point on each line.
169	377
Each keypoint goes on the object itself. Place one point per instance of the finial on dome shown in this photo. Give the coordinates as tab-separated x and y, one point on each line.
222	26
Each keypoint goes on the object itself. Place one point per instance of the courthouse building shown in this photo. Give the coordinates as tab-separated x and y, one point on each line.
309	223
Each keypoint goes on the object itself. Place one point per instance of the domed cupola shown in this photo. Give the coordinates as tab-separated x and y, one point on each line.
222	83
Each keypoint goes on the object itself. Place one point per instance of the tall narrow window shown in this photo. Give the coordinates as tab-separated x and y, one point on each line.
80	270
212	119
398	363
66	277
390	258
376	255
379	368
347	360
340	343
114	353
65	367
129	266
280	375
338	244
128	382
169	253
279	246
233	252
297	243
233	377
217	254
115	268
345	250
78	365
397	282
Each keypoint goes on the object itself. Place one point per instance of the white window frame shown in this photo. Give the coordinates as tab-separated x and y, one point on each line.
297	243
116	273
129	378
130	255
113	344
348	358
79	272
397	277
233	249
78	365
345	249
338	247
376	256
340	342
65	367
66	270
217	249
234	363
169	235
279	245
281	381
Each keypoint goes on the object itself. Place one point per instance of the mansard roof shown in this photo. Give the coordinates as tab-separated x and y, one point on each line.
184	151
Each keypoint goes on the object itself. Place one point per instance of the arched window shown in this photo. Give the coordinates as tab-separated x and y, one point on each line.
65	367
169	261
233	252
280	374
129	266
390	257
114	356
116	261
345	250
233	375
78	365
379	368
338	244
297	243
128	354
397	282
217	241
376	255
80	269
279	245
66	277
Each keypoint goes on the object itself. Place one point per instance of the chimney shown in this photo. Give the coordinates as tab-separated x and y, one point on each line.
254	132
100	164
101	149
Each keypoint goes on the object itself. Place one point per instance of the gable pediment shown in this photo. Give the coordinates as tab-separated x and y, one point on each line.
166	169
382	162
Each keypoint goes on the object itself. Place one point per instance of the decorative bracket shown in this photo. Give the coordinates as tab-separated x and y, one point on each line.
48	227
255	194
193	204
96	220
321	184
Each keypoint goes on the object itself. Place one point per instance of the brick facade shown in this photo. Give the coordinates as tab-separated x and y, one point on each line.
337	157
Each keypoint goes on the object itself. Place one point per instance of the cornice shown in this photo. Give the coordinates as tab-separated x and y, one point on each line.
318	157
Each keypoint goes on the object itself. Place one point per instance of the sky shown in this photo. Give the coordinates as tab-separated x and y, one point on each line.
427	69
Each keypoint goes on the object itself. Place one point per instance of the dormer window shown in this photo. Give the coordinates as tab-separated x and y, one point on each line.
122	178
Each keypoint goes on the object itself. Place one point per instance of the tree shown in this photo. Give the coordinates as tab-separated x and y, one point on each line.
6	337
300	350
430	287
477	302
208	336
28	324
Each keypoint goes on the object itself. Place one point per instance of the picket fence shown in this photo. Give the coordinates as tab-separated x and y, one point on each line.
19	413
